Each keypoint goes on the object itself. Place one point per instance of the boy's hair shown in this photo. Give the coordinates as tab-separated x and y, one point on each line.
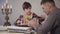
26	5
49	1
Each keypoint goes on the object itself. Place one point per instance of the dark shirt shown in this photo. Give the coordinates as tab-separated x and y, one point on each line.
33	16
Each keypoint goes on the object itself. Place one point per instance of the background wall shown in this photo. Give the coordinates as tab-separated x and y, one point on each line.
17	9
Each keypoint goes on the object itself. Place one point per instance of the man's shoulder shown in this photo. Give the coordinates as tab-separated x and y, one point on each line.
56	11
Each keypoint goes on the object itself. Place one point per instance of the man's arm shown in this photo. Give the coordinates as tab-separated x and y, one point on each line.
46	27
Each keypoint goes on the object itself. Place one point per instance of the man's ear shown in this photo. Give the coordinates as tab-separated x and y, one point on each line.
50	5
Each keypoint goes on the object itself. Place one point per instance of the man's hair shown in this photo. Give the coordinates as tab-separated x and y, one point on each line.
26	5
49	1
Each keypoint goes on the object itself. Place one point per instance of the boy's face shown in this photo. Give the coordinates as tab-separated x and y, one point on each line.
27	10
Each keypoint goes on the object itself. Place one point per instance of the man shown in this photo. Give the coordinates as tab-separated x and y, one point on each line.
27	15
52	24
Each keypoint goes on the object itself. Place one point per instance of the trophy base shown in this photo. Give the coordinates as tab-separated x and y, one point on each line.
7	24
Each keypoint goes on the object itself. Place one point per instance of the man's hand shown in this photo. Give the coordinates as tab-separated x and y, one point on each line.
43	16
32	22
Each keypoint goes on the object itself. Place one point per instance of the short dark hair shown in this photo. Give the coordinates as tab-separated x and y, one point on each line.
26	5
50	1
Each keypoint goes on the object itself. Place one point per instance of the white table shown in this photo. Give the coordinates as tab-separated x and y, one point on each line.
6	32
9	33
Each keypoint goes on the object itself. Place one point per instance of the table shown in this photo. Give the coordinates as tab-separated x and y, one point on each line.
9	33
4	31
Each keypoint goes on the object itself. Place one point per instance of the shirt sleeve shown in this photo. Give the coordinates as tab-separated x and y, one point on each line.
19	18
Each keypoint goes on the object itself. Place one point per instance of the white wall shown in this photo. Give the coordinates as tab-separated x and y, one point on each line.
17	9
